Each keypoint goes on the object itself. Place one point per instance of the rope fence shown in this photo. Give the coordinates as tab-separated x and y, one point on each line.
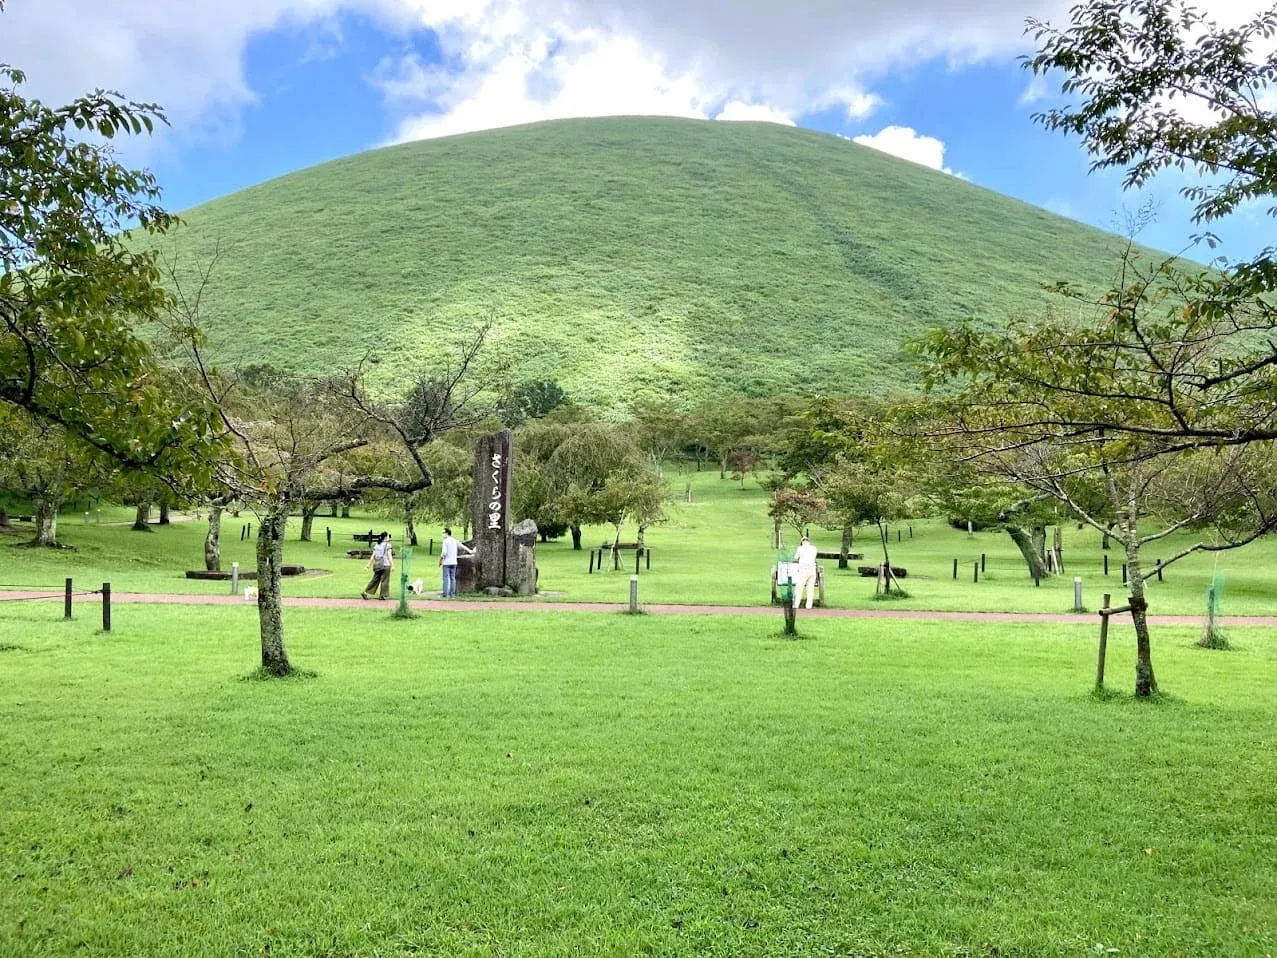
67	593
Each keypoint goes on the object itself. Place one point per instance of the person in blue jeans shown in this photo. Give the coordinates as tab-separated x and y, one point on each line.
448	562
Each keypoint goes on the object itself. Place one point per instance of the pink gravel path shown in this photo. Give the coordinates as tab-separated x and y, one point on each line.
527	605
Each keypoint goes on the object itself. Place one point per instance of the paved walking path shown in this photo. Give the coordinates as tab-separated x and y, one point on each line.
531	605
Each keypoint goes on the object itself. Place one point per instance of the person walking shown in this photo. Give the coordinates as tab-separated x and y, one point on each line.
382	561
805	556
448	550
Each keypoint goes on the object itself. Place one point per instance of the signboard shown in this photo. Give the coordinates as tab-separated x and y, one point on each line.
490	507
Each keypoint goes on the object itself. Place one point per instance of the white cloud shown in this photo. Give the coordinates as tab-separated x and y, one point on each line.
1038	89
516	60
753	112
511	61
908	144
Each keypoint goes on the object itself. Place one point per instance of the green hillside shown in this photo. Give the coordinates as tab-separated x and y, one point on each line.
626	258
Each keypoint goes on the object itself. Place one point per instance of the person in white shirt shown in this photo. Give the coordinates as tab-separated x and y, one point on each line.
448	562
382	561
805	557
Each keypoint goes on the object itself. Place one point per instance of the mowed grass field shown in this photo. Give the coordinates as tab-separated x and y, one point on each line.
539	784
714	550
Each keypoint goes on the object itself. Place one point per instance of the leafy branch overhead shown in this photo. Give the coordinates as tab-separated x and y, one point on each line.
73	292
1161	85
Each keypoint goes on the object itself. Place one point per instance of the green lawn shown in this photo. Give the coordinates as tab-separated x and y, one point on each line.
715	550
532	784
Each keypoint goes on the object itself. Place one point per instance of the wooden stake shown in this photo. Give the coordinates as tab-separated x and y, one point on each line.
1104	641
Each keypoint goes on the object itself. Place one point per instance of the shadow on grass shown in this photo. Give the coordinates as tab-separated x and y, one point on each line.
1109	695
260	674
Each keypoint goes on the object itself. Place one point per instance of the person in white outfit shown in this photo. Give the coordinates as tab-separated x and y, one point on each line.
805	557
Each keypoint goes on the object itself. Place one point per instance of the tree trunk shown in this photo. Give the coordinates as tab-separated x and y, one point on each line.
308	519
164	514
722	466
642	535
1058	548
345	510
411	530
1145	681
4	519
142	521
46	519
332	510
270	557
1032	548
886	559
776	540
575	529
213	540
844	549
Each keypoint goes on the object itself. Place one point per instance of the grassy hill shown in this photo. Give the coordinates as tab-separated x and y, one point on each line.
626	258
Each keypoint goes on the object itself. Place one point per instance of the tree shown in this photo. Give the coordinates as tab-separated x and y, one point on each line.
1011	405
598	475
659	431
531	400
968	496
797	508
1157	85
869	487
295	441
39	461
73	289
446	499
724	426
535	490
1163	86
744	463
213	538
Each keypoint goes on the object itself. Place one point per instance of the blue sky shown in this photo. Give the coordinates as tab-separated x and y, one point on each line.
257	88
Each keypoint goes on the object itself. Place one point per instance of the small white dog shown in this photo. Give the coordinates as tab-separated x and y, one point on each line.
415	587
250	593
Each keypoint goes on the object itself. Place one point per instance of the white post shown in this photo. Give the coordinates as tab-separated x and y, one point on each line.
633	593
234	578
1077	593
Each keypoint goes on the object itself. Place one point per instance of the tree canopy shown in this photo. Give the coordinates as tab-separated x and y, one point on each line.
73	292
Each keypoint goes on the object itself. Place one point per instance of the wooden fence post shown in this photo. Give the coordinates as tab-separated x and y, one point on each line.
66	604
1104	641
106	607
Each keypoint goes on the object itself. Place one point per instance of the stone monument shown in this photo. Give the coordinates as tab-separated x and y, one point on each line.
504	555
